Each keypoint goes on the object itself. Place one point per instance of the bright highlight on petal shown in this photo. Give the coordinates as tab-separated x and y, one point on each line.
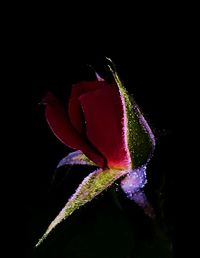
103	113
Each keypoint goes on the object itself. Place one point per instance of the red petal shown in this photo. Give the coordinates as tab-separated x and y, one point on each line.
75	111
104	116
59	123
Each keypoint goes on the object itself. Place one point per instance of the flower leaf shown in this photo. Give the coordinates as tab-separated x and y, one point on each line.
91	186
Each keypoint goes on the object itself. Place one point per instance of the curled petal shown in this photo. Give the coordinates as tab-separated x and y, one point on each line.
61	126
104	116
99	78
75	110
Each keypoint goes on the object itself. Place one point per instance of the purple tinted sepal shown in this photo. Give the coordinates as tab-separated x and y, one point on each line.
134	180
75	158
132	185
140	199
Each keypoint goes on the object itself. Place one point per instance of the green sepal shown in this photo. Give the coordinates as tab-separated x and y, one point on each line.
91	186
140	137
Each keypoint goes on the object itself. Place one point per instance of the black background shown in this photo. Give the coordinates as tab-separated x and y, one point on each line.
151	57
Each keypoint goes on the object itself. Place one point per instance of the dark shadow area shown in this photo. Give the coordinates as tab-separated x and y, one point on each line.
150	64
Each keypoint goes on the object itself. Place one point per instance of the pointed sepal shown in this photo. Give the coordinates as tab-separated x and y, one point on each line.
140	138
75	158
91	186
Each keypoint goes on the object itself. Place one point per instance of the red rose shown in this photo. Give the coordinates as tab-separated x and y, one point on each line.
93	122
107	129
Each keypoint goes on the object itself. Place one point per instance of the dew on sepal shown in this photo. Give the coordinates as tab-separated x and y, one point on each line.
134	180
133	184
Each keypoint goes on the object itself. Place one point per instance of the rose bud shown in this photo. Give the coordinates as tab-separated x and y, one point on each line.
107	129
